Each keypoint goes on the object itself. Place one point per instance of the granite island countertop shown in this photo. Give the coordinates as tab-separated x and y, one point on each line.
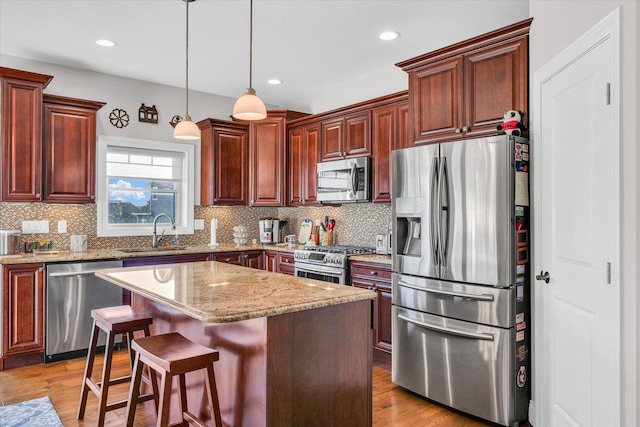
216	292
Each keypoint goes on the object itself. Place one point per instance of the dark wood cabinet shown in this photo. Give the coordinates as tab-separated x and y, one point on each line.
346	136
285	263
21	133
304	154
267	158
224	162
463	90
376	277
69	149
252	259
23	310
271	261
164	259
389	133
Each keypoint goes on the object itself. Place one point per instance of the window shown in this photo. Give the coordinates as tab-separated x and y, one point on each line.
137	180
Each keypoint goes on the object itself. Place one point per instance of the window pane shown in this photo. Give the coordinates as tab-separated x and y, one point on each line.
138	201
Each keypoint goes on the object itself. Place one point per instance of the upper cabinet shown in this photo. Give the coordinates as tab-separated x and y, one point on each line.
267	158
69	155
21	133
463	90
224	173
346	136
304	154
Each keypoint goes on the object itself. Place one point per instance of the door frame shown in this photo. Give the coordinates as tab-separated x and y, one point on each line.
607	28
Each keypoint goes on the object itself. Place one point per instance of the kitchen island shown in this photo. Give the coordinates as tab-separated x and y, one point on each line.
293	351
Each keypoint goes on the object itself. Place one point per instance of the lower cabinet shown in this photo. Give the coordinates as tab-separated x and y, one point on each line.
376	277
285	263
271	261
23	314
252	259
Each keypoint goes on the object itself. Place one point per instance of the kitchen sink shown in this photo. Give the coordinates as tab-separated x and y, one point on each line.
150	249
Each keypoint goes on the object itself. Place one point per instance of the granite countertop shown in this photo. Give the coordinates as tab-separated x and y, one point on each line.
377	258
98	254
216	292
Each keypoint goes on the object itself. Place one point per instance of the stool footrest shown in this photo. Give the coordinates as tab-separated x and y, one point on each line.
193	419
123	403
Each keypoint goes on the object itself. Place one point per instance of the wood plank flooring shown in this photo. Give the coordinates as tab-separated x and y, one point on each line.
392	406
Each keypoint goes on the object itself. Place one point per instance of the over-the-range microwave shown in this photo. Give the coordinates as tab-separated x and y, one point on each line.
342	181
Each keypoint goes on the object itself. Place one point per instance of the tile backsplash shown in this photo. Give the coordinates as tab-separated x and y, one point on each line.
356	224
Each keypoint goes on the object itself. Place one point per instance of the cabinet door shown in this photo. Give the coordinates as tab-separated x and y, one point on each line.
21	127
296	166
253	259
311	158
23	319
69	142
385	121
357	138
495	81
266	162
224	159
382	331
285	263
403	138
271	261
332	139
436	93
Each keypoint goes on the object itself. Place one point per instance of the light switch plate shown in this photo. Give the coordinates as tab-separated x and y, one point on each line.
35	227
198	224
62	226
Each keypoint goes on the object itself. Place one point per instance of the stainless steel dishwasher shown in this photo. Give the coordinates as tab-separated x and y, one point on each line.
73	291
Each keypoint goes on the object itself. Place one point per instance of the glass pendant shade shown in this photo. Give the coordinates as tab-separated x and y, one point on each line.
186	129
249	107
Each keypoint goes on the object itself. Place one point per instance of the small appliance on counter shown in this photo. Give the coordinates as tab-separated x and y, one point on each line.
10	242
382	244
269	231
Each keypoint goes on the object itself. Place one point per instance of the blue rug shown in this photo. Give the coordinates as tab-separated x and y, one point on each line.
36	412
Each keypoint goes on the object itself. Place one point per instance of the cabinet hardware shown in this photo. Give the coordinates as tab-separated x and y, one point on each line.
374	273
608	273
465	128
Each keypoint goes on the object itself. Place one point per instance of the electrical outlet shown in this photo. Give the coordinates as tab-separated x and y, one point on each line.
62	226
198	224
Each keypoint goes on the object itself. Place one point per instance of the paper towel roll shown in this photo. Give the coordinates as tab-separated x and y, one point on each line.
214	227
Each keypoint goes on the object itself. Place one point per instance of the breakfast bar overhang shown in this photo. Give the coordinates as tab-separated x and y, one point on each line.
293	351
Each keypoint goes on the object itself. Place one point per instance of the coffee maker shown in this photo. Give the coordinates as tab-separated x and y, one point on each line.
269	231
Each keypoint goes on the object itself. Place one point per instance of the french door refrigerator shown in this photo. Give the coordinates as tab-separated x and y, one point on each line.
460	246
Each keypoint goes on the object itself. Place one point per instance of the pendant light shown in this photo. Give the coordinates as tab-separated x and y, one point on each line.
186	129
249	106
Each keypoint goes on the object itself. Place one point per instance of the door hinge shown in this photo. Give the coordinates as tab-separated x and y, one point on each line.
608	273
608	93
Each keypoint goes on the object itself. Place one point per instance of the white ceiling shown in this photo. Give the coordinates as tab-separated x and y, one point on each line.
326	51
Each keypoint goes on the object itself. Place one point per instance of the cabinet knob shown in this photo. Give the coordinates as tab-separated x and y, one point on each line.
93	197
465	128
38	196
374	273
227	260
458	130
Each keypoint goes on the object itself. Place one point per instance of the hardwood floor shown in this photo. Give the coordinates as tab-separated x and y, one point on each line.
392	406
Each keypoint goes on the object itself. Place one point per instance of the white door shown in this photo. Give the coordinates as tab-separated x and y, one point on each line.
577	237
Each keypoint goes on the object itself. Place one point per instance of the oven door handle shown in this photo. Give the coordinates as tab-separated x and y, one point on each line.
481	297
450	331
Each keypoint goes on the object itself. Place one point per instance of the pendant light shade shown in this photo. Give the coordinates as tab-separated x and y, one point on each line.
249	106
186	129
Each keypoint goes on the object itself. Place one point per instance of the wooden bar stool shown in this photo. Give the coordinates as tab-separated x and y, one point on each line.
170	355
113	321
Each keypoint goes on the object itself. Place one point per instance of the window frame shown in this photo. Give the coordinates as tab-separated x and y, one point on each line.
184	205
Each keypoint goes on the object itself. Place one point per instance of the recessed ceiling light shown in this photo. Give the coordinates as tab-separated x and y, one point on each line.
105	43
389	35
274	81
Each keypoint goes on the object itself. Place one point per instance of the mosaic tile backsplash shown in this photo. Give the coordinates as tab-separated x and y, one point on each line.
356	224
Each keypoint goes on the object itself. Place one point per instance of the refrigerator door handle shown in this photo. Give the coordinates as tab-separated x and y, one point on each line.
465	334
481	297
444	213
433	222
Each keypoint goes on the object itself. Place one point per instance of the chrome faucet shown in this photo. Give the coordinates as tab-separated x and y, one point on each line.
156	239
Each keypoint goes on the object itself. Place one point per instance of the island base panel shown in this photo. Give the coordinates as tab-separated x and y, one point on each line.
310	367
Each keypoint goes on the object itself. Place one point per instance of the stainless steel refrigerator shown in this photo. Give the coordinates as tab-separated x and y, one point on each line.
461	327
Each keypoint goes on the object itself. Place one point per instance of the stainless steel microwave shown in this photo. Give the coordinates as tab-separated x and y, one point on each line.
342	181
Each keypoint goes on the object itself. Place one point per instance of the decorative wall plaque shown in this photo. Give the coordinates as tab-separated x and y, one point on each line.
119	118
148	114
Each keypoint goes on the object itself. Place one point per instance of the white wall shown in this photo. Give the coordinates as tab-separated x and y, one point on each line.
557	24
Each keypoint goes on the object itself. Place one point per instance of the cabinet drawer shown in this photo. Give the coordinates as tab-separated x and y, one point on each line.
371	271
228	257
285	258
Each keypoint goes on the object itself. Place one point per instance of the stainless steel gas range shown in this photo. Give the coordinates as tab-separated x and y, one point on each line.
327	263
